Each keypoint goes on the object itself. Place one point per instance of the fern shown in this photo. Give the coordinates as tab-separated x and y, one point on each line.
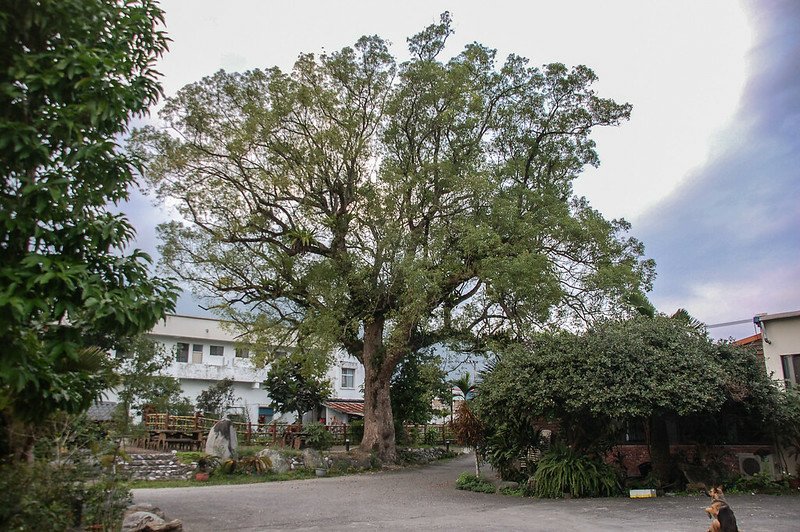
562	470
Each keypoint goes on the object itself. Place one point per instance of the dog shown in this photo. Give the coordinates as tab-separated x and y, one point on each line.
721	515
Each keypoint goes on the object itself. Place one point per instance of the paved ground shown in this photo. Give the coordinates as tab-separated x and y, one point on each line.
425	499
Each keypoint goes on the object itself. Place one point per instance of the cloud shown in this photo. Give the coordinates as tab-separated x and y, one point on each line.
728	241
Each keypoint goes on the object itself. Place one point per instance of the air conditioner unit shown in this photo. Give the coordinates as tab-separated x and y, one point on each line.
751	464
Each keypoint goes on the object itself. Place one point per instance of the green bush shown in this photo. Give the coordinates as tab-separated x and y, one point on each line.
469	482
317	436
562	470
758	483
356	431
432	437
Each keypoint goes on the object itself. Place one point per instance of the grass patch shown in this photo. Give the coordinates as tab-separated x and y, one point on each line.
470	482
187	457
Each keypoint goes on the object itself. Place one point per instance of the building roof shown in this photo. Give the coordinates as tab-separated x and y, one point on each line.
353	407
749	340
101	411
776	316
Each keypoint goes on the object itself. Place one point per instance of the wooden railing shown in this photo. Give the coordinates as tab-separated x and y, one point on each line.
277	433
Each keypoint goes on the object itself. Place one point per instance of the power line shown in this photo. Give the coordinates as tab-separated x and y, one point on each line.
738	322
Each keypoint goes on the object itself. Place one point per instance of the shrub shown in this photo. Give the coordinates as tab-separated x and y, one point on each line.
248	465
432	437
207	463
356	432
469	482
562	470
317	436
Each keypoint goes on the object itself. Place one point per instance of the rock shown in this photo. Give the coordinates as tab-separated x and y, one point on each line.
221	441
312	459
280	463
146	507
139	521
172	526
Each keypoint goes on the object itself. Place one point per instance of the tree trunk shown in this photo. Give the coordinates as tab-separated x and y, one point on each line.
378	419
658	440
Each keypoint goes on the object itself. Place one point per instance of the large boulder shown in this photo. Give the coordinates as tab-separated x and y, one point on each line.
221	440
313	459
280	463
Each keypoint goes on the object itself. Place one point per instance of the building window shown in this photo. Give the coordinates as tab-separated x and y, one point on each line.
348	378
197	353
182	352
241	352
791	369
216	350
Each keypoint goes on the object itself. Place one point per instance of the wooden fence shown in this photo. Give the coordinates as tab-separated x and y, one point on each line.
281	433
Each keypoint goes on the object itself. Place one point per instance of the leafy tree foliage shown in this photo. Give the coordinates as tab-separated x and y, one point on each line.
294	388
217	398
388	208
642	368
72	74
139	362
418	380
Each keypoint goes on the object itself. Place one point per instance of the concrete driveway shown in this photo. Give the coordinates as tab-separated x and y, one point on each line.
425	499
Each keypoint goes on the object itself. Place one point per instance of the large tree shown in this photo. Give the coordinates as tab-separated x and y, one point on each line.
386	208
642	369
72	75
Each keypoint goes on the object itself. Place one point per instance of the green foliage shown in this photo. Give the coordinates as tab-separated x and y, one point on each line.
217	398
465	385
71	484
317	436
356	431
507	445
293	389
635	369
759	483
470	482
387	208
416	382
138	362
72	75
561	470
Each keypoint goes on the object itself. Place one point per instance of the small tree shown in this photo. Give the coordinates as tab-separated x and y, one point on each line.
217	398
294	388
416	383
470	431
138	364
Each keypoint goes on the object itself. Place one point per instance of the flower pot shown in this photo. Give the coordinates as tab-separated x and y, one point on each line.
321	471
202	477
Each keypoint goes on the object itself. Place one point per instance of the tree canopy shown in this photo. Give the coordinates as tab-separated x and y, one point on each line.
387	207
295	387
72	75
637	369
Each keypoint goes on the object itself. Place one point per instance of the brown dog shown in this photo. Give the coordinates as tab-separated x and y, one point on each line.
721	515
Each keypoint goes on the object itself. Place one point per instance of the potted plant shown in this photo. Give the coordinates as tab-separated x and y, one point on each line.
205	464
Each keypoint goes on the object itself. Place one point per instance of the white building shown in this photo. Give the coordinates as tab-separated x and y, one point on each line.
205	353
780	334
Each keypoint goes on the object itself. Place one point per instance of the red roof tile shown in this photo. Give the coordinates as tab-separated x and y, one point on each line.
355	408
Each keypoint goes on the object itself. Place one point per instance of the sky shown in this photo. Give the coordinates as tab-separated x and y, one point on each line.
707	170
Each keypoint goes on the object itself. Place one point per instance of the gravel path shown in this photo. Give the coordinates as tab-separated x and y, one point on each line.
425	499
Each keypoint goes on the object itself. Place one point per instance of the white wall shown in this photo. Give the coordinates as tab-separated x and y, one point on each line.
195	377
784	339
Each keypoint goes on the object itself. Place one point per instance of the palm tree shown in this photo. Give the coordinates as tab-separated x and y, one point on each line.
465	384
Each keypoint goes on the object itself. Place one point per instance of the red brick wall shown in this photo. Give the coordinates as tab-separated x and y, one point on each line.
633	455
